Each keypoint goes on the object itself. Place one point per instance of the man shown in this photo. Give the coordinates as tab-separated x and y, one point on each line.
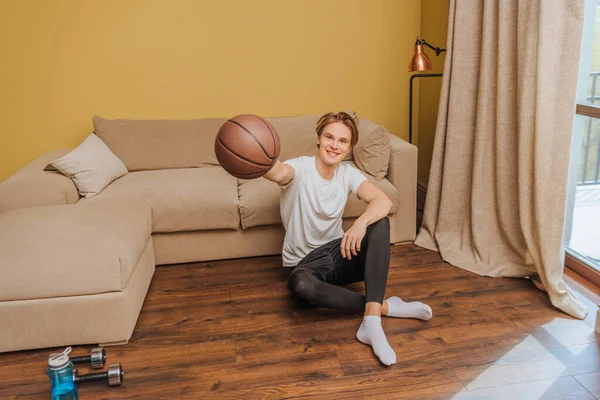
324	258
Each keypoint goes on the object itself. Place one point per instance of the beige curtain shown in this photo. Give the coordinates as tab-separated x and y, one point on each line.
497	188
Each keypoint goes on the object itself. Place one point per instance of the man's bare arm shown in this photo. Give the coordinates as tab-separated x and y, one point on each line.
281	174
378	207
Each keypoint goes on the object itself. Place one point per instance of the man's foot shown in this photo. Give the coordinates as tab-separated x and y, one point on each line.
396	307
371	333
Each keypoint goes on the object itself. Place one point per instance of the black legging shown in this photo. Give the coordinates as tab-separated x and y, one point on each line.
319	275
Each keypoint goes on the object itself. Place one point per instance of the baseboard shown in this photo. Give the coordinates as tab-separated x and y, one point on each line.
580	268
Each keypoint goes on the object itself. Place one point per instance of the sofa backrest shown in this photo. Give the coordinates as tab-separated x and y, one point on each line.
160	144
163	144
297	135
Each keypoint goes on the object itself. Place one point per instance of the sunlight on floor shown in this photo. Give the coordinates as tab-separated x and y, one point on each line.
530	370
521	391
528	361
570	332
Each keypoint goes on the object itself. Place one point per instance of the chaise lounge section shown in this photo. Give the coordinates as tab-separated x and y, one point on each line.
73	274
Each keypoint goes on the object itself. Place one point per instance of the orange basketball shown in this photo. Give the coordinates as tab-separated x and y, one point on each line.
247	146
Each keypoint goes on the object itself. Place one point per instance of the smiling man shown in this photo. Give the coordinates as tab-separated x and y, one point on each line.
324	257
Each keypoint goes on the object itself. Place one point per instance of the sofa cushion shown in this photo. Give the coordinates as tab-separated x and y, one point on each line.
70	250
91	166
259	201
298	138
160	144
372	151
186	199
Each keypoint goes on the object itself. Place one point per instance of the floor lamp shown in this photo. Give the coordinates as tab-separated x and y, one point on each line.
419	62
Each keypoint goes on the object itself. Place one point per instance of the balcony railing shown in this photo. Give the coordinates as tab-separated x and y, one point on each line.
589	172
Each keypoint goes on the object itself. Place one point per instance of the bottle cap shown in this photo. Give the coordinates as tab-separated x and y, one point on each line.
59	360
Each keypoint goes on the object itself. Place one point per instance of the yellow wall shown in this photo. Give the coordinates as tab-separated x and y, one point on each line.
434	27
66	60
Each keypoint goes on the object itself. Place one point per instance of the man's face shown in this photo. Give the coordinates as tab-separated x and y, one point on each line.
334	143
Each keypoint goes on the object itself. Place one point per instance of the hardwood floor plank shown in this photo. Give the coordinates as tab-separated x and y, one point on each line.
248	378
259	297
565	388
216	327
168	296
346	395
260	373
409	256
591	382
550	325
433	272
531	361
478	324
243	270
465	290
421	382
302	341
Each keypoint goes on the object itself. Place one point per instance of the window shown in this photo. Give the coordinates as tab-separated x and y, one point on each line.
582	228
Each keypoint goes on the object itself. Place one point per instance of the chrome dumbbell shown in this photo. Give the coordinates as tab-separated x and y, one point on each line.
96	359
113	376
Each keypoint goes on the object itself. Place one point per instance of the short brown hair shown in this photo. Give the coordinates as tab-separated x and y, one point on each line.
342	117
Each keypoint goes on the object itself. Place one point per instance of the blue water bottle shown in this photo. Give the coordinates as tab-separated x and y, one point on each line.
60	372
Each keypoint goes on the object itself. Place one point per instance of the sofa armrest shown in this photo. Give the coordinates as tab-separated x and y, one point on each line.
402	173
31	186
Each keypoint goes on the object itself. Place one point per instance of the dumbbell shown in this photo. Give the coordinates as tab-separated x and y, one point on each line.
113	376
96	359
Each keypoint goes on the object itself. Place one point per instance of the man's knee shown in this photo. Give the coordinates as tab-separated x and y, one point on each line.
301	284
379	230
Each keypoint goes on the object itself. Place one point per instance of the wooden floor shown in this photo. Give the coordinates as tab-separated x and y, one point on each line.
230	330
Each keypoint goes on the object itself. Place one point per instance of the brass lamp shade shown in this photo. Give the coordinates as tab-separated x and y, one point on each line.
419	61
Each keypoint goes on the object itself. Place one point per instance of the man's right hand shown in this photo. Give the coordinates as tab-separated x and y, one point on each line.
280	173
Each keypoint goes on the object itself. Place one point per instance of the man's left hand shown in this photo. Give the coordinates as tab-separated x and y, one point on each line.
352	239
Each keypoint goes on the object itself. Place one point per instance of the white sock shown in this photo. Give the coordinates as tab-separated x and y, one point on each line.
371	333
401	309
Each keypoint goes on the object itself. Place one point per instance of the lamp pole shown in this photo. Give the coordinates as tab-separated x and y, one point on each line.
419	62
411	100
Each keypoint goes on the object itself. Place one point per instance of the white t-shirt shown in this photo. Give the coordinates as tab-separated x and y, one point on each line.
312	206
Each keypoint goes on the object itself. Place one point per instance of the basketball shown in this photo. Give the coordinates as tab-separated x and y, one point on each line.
247	146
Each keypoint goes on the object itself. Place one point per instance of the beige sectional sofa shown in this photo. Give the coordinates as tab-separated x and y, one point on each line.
76	270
